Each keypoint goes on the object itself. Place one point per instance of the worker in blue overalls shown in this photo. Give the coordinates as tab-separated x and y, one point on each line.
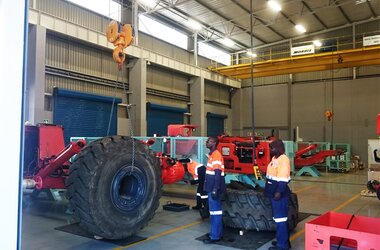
215	186
276	188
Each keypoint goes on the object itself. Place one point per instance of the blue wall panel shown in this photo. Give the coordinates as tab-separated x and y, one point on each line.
83	114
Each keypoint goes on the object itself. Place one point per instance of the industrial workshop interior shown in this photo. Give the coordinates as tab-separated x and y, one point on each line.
190	124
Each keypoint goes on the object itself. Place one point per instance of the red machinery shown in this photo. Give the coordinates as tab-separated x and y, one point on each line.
46	162
301	161
46	158
116	181
238	154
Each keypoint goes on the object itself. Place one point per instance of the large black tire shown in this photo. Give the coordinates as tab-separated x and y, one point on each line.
110	198
251	210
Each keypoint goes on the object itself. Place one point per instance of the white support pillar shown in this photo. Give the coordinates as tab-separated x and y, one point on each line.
137	86
35	75
197	109
13	27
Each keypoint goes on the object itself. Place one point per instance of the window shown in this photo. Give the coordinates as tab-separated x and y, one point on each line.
214	54
163	32
106	8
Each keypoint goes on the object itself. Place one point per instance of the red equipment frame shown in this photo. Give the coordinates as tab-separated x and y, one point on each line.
346	230
237	154
53	157
319	157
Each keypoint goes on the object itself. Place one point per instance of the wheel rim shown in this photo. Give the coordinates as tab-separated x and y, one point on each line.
128	188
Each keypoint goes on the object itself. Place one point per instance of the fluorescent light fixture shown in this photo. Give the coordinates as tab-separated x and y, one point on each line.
148	3
228	42
361	1
317	43
249	53
300	28
274	5
194	25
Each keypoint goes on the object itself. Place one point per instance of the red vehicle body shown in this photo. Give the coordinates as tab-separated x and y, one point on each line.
46	159
238	154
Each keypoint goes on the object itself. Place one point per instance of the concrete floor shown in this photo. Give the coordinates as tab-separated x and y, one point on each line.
337	192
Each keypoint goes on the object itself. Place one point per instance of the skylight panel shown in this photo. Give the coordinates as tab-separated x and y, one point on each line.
106	8
162	31
214	54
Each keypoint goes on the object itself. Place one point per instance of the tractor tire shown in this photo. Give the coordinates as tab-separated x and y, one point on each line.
251	210
109	197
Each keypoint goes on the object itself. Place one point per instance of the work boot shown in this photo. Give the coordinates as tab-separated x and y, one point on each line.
274	243
210	241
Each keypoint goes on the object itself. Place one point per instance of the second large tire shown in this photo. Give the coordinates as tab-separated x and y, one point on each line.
251	210
110	196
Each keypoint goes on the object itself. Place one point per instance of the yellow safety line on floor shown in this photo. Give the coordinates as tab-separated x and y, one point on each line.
304	189
346	203
161	234
296	235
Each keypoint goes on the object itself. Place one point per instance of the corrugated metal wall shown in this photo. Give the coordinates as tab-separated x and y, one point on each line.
73	13
68	54
355	104
216	94
164	80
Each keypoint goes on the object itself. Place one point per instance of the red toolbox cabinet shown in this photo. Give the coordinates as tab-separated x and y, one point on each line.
331	230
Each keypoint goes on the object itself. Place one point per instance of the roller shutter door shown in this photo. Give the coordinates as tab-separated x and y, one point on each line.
83	114
215	124
159	117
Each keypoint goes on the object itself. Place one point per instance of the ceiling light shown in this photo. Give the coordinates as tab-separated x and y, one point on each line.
148	3
228	42
361	1
249	53
194	25
317	43
300	28
274	5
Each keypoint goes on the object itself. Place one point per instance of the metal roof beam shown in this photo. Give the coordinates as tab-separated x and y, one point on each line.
315	15
336	2
371	9
210	29
229	20
258	19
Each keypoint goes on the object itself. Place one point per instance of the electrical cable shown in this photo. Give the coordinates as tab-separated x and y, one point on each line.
252	96
113	101
332	98
129	117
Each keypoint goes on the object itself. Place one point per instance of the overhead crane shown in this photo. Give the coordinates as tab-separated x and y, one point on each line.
322	61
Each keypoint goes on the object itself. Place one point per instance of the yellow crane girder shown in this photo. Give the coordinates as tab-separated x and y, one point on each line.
308	63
